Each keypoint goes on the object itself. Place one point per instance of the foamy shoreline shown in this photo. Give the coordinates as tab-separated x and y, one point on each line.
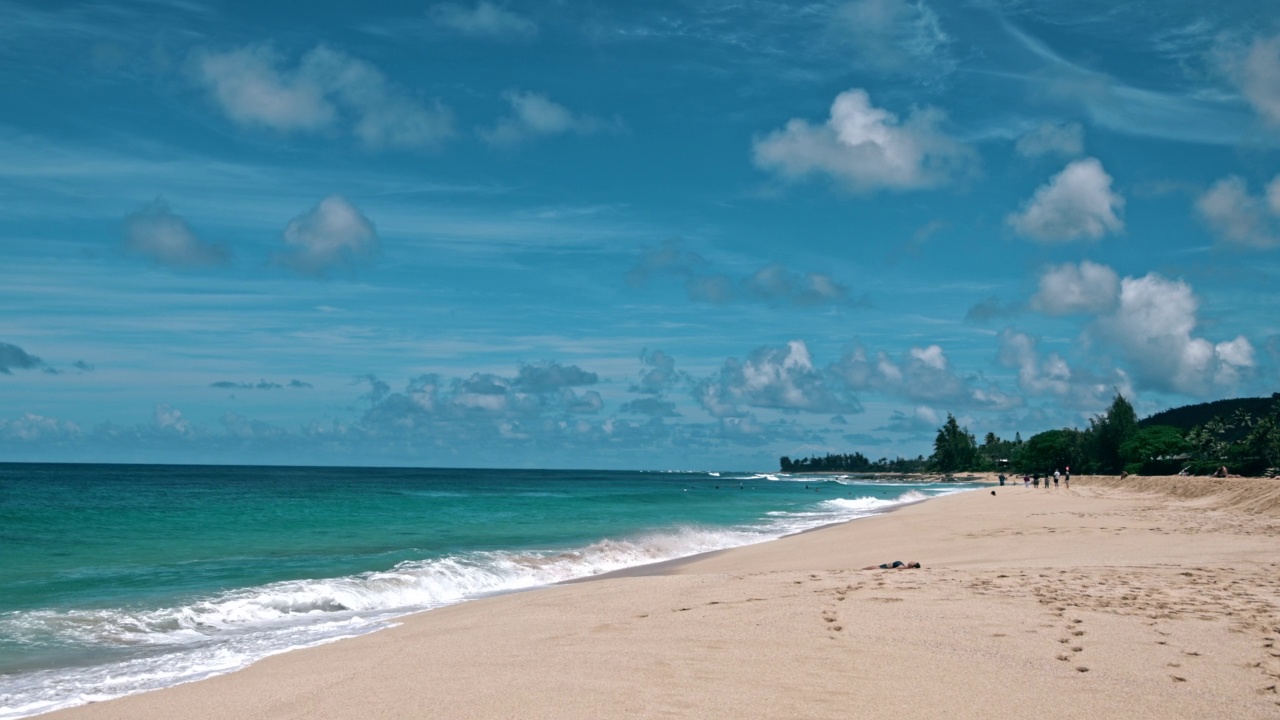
57	688
1091	602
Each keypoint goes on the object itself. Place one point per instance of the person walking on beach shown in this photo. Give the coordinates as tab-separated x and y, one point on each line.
1066	479
1056	477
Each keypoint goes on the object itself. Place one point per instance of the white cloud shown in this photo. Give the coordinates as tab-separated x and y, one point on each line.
169	421
327	90
1239	218
773	283
1085	288
484	20
252	90
866	148
895	36
1256	70
158	233
773	377
534	115
1052	375
1077	203
33	428
1066	140
332	235
1153	326
923	373
923	420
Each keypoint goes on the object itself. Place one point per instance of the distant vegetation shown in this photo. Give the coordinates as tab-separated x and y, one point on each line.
1242	435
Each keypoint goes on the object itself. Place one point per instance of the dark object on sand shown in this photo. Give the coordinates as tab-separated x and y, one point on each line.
895	565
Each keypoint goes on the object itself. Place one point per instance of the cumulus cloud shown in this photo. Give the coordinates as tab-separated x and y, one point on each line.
552	376
1069	289
651	406
156	232
33	428
661	375
866	148
781	378
535	115
1066	140
169	421
921	373
1153	326
670	258
922	420
1255	68
1075	204
895	36
260	385
1239	218
774	283
481	400
1051	375
484	20
333	235
328	90
991	308
13	358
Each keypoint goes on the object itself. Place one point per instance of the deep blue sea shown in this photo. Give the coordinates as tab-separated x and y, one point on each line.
116	579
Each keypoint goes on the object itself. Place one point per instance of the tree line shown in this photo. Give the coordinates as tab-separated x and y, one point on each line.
1245	443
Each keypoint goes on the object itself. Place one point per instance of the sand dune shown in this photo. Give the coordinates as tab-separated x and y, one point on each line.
1148	598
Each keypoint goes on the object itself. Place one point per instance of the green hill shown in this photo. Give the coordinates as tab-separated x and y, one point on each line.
1189	416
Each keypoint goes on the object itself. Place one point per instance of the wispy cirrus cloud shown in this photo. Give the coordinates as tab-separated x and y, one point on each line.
899	37
1065	140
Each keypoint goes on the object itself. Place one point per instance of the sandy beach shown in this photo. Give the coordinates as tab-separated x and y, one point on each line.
1143	598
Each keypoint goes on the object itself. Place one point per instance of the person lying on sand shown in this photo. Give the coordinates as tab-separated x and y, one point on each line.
895	565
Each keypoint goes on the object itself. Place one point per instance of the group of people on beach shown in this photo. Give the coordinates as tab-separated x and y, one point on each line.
1033	480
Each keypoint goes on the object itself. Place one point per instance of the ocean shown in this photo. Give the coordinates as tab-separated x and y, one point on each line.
116	579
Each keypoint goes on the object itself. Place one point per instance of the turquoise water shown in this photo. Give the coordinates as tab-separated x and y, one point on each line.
118	578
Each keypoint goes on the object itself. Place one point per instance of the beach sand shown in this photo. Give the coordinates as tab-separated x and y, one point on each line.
1147	598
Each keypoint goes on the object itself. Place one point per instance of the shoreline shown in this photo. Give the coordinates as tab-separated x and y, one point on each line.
1118	601
669	567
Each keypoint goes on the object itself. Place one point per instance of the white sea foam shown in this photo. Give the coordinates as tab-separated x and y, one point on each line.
218	634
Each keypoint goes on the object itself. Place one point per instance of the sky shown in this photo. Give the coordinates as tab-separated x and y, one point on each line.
659	235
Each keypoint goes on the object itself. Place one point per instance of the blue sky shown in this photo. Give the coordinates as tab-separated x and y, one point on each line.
637	235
